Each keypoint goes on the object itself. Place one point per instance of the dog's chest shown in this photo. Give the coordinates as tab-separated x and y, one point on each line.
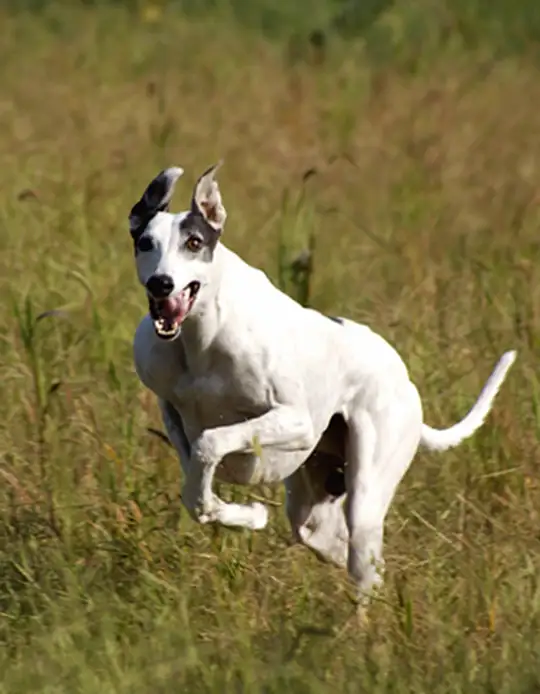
217	398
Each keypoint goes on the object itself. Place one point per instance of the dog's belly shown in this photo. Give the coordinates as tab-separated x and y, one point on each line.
248	468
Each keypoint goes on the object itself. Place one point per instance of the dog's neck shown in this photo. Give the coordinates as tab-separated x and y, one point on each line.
201	328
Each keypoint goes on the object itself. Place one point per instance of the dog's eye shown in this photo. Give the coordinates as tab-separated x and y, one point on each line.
194	244
145	244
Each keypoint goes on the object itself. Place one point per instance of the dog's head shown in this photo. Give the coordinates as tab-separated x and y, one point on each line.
174	252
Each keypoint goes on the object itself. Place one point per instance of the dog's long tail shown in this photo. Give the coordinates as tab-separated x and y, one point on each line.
442	439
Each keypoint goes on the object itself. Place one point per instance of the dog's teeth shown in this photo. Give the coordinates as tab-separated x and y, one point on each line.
161	324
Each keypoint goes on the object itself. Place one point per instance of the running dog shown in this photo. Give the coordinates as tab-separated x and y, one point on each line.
254	388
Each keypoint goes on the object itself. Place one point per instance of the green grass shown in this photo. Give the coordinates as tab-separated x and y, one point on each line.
423	217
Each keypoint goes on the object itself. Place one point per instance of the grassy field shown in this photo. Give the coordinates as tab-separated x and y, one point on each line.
424	207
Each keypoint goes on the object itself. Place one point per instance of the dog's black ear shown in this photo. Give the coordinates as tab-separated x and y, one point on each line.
206	200
156	198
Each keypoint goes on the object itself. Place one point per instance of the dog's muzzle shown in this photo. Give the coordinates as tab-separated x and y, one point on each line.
169	313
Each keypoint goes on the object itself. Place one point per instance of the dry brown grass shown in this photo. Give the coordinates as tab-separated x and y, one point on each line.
425	213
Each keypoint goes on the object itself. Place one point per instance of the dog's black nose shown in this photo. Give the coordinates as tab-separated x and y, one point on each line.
160	286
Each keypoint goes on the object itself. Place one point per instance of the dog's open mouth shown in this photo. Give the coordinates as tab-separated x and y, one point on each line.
169	314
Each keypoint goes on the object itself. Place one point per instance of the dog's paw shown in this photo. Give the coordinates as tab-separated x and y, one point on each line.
260	516
204	518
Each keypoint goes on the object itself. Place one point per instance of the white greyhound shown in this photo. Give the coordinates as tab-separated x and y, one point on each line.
253	388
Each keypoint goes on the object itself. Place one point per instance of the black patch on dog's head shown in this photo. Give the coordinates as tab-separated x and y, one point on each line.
142	215
194	223
336	319
156	198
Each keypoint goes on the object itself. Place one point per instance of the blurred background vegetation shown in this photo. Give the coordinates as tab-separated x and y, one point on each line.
391	28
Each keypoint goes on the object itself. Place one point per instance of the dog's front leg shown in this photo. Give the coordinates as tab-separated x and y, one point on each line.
285	428
175	431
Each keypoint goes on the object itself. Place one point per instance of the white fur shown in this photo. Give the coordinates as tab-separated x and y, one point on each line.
253	370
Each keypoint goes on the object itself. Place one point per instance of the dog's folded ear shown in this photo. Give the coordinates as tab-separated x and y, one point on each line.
156	198
206	200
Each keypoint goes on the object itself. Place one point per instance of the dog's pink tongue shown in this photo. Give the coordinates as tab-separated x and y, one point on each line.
175	309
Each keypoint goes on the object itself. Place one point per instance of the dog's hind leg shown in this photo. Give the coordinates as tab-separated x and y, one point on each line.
380	449
316	516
